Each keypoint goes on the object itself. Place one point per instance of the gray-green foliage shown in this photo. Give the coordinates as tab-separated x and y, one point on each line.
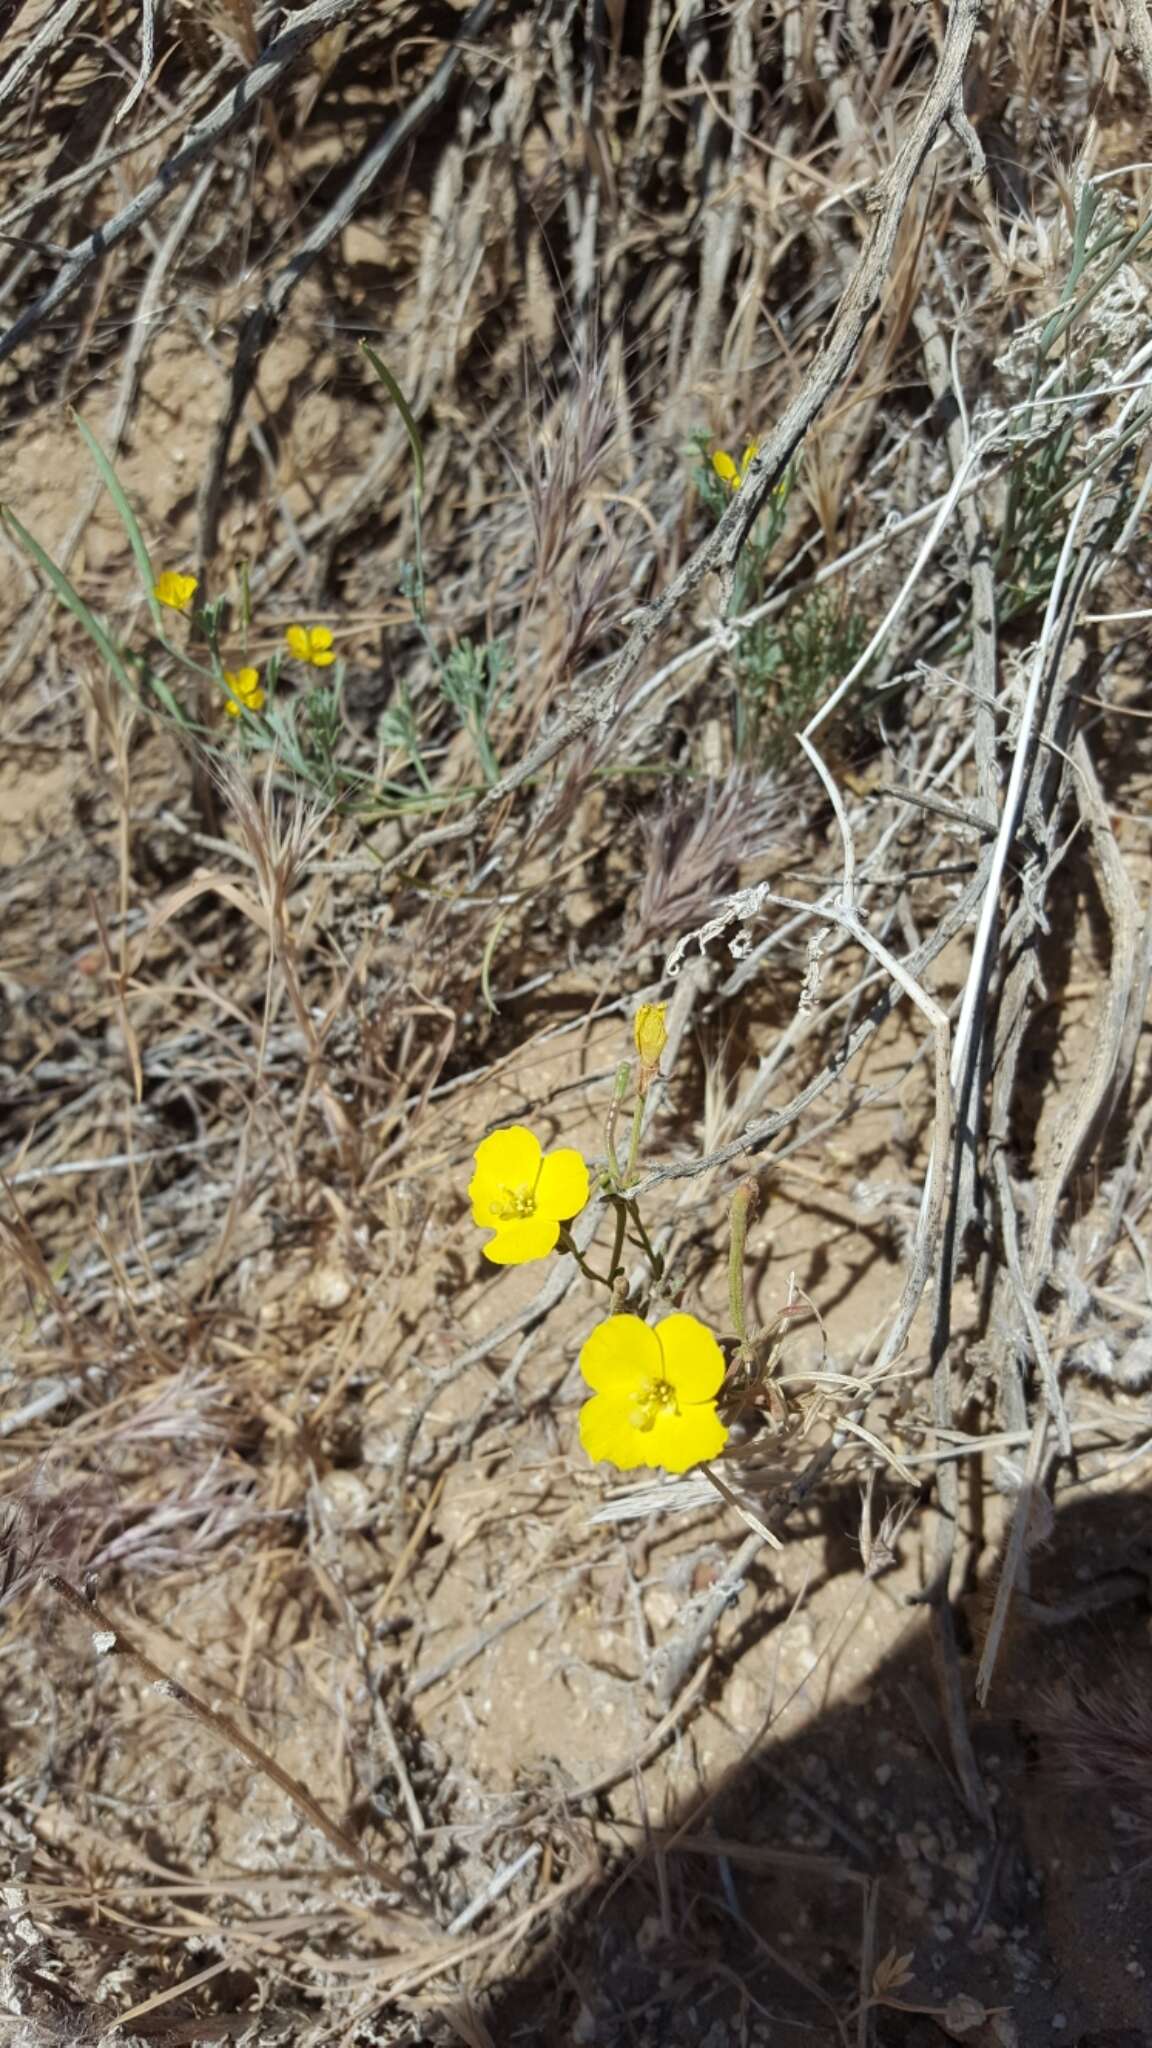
176	668
787	665
1065	359
471	678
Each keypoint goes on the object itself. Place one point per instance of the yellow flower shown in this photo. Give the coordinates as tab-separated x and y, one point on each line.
650	1032
174	590
312	644
727	470
653	1399
246	694
523	1196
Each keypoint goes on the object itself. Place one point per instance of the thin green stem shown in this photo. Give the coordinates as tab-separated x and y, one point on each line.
483	745
616	1261
634	1141
566	1243
620	1089
651	1254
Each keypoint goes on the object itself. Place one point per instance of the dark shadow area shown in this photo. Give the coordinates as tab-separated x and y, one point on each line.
743	1919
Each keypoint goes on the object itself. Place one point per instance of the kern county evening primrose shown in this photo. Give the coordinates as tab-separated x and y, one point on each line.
654	1386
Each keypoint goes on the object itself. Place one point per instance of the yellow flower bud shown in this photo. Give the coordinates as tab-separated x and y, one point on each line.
651	1032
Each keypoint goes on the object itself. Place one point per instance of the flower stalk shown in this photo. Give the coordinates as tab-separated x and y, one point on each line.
620	1087
634	1142
567	1243
742	1201
654	1387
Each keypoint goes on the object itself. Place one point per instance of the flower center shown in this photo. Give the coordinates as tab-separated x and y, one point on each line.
654	1399
514	1204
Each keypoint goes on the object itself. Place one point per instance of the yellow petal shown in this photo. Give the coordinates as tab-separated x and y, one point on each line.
510	1158
749	456
529	1237
677	1441
621	1355
650	1032
297	640
725	468
322	660
174	590
693	1360
242	681
255	700
507	1162
319	638
562	1188
233	708
609	1435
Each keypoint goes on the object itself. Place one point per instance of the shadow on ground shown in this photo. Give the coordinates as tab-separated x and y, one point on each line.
745	1924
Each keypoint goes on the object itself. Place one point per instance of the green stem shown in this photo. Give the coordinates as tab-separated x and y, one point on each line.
418	541
416	758
651	1254
616	1261
566	1244
634	1141
483	748
620	1089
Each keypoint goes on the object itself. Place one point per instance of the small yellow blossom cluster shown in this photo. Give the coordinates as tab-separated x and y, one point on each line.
312	644
244	692
735	473
730	472
653	1388
175	590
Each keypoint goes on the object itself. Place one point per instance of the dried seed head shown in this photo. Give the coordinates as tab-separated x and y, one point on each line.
696	846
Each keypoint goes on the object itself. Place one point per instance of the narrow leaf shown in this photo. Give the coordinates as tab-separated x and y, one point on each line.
69	598
126	515
404	410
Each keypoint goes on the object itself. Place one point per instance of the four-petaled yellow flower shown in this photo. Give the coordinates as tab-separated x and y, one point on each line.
312	644
727	470
524	1196
653	1399
245	692
174	590
651	1032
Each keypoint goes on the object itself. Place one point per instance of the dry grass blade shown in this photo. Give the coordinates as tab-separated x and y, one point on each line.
110	1640
306	26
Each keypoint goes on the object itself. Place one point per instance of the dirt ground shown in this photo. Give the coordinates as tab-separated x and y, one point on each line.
345	1701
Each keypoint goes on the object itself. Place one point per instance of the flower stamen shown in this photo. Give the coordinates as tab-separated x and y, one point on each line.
654	1393
514	1203
654	1399
524	1196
